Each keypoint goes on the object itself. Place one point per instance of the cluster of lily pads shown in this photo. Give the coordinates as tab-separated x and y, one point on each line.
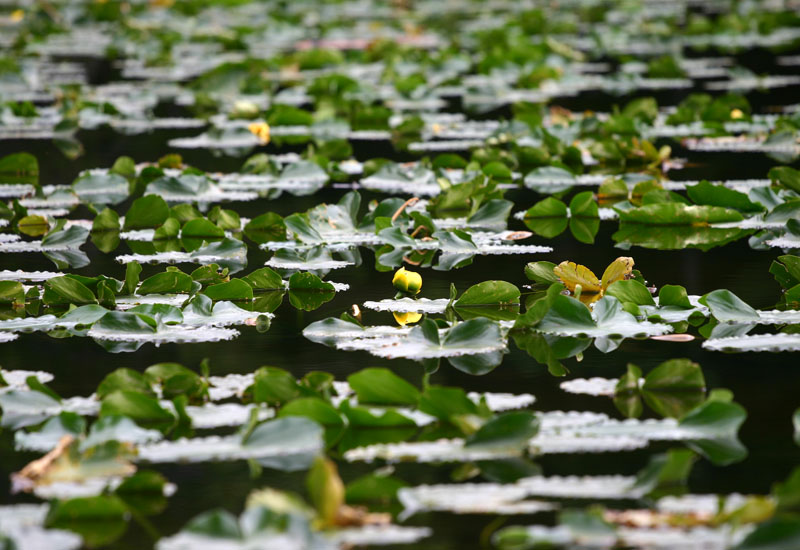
438	129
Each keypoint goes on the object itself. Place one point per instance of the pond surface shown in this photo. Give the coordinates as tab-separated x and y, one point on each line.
764	384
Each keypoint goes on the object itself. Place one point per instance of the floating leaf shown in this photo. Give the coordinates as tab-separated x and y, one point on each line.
382	387
146	212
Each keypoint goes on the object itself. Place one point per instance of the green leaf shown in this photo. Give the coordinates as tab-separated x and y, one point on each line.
446	403
541	179
168	282
547	217
584	229
124	166
11	292
235	289
201	229
35	385
99	520
666	473
218	524
107	220
142	482
308	292
497	300
508	470
124	321
372	488
170	229
788	493
541	272
19	168
139	407
184	213
716	424
729	308
583	205
489	293
33	226
66	290
379	386
792	264
774	534
225	219
300	225
282	433
718	195
209	274
274	386
124	379
547	208
674	388
132	271
786	176
511	430
675	213
673	295
265	228
228	253
566	312
101	189
320	412
677	237
264	278
494	213
627	397
176	380
146	212
630	291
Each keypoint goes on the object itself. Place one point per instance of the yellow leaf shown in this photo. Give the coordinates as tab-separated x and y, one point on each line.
588	298
326	490
617	270
572	275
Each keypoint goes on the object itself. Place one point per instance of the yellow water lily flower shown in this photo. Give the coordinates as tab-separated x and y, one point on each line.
407	281
736	114
17	16
261	130
408	318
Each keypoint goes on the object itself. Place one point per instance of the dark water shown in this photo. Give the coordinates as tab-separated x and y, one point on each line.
765	384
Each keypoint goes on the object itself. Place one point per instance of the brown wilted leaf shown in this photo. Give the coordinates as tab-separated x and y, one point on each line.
652	519
358	516
518	235
683	337
26	479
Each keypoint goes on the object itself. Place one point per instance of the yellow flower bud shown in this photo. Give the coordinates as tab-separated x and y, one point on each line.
407	281
736	114
260	129
404	319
